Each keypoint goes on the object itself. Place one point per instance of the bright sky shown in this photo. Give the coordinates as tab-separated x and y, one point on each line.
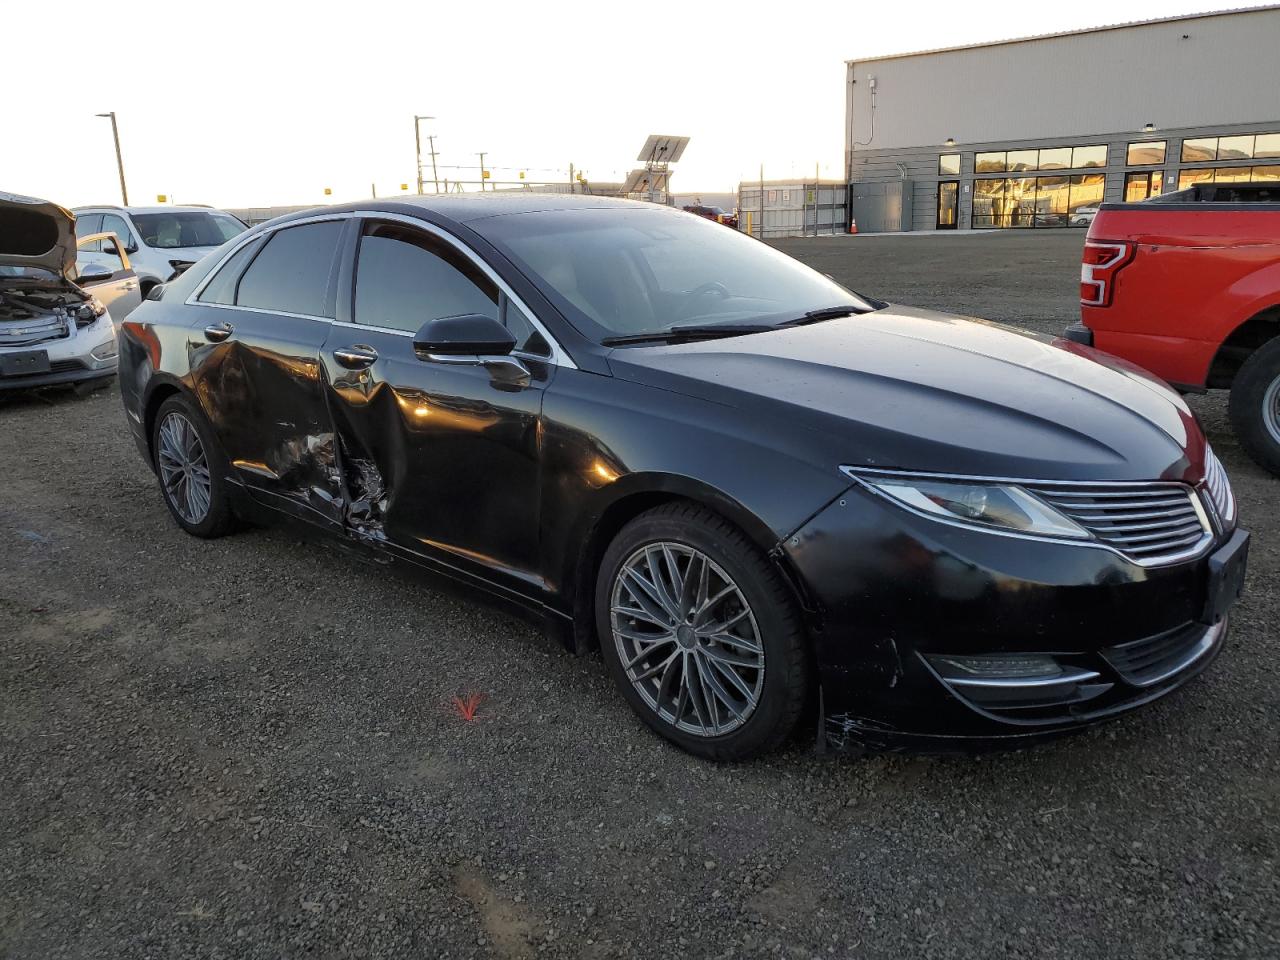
239	103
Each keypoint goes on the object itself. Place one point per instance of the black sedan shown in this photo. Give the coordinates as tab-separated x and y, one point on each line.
764	497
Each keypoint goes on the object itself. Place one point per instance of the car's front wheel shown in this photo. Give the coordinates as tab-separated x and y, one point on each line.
188	464
1254	406
701	634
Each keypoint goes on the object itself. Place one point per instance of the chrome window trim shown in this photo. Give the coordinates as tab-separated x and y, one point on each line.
558	356
1193	552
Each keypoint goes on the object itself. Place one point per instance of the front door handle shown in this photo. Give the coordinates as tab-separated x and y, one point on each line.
131	285
358	356
217	332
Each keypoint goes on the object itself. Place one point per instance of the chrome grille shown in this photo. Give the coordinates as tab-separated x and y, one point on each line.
1219	489
1149	523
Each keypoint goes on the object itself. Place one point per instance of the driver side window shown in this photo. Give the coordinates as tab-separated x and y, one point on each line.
405	277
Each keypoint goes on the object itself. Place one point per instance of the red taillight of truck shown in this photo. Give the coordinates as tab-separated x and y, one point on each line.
1101	261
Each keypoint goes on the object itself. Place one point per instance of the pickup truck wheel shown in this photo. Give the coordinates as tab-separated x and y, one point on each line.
1254	406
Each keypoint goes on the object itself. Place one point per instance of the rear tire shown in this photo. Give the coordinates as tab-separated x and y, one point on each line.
1254	406
191	470
725	678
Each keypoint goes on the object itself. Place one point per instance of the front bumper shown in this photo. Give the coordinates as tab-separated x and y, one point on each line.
895	598
70	358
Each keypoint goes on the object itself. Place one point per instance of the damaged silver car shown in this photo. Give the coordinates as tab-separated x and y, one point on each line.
57	297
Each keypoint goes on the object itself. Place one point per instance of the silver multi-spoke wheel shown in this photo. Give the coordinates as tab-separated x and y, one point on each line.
687	638
184	468
1271	409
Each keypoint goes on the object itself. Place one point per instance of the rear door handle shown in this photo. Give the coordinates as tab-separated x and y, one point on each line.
358	356
217	332
131	285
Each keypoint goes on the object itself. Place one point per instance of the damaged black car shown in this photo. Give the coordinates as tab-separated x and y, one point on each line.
769	501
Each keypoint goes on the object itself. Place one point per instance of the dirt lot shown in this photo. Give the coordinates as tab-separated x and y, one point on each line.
246	749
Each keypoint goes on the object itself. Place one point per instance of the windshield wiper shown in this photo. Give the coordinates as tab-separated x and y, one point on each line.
693	331
825	313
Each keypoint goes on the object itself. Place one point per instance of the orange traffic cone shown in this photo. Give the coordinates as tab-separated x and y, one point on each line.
853	225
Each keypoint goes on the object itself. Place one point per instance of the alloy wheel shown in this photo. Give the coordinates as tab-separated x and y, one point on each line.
687	638
1271	409
184	468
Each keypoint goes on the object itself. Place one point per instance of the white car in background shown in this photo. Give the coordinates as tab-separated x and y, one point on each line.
1083	216
57	301
161	242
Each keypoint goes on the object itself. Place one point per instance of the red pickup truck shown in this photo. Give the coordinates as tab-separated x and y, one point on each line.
1188	286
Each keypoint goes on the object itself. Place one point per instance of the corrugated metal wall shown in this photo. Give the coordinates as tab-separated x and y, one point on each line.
792	209
1212	70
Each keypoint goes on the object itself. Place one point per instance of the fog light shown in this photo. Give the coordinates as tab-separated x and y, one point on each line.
997	666
104	351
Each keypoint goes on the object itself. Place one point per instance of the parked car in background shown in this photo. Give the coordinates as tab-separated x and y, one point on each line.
718	214
765	496
1189	288
55	320
161	242
1083	216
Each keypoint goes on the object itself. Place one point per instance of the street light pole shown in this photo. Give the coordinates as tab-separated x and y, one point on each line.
115	135
481	156
417	148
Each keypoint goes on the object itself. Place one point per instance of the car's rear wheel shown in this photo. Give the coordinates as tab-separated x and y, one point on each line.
188	463
1254	406
701	634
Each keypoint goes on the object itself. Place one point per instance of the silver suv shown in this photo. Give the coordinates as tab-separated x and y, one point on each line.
161	241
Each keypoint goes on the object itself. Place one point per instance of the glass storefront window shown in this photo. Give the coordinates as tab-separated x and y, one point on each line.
1266	174
1235	148
1189	178
1199	149
989	163
1083	157
1266	145
1020	202
1145	154
1086	191
1019	160
988	203
1057	158
949	165
1232	175
1052	196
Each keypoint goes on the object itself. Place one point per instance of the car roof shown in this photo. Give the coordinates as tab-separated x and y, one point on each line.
167	208
465	207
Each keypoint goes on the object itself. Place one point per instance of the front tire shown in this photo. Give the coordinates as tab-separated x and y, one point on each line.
190	468
1254	406
701	634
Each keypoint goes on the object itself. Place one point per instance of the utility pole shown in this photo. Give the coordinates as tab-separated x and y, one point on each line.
115	135
571	187
481	156
435	178
417	148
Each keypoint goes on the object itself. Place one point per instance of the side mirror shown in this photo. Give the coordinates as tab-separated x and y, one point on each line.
471	334
110	248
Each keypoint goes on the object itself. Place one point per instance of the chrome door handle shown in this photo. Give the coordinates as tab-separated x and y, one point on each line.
358	356
131	285
217	332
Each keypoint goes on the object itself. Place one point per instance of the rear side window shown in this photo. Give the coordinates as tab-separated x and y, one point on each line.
222	288
88	224
405	277
292	272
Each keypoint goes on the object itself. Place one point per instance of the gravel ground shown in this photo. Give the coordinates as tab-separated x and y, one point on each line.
246	748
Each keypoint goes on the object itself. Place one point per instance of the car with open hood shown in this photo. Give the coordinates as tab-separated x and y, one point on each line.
768	500
57	297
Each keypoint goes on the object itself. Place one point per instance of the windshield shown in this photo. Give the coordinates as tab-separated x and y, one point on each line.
627	272
170	231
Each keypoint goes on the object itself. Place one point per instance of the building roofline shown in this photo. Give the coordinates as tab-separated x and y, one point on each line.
1067	33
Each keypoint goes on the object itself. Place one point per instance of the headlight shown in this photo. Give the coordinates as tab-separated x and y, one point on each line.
91	310
999	506
104	351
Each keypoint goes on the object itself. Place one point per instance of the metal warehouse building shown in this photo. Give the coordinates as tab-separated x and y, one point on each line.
1036	133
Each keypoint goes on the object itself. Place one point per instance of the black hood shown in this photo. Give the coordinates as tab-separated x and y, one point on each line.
911	389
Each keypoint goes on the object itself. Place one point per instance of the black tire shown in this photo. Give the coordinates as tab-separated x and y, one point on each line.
1256	422
786	663
219	519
